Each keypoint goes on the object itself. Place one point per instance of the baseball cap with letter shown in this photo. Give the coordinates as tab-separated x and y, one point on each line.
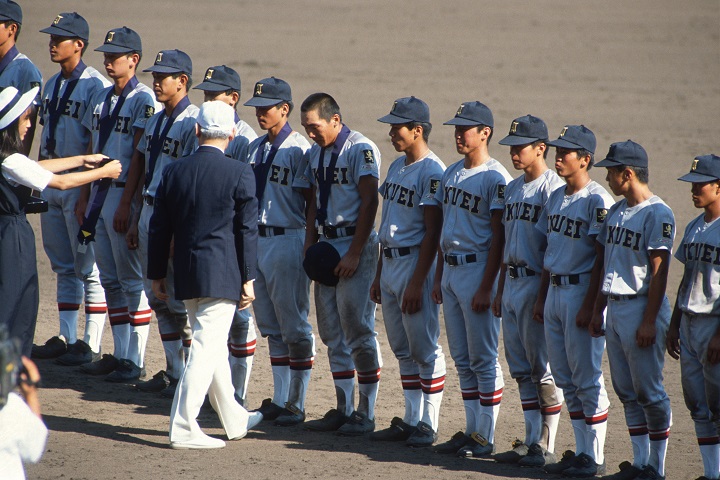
10	10
575	137
269	92
625	153
525	130
472	114
69	24
171	61
219	79
705	168
407	110
320	262
121	40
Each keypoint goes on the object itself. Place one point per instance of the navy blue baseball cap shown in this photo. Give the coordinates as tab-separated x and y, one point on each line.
472	113
625	153
69	24
705	168
406	110
220	79
171	61
320	262
269	92
121	40
575	137
10	10
525	130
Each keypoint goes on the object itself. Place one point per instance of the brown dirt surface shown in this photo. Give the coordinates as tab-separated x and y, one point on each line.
646	70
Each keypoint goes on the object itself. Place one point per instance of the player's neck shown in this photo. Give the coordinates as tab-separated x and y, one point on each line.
637	194
476	157
274	131
5	47
576	182
171	103
121	82
67	66
336	133
712	212
415	152
535	170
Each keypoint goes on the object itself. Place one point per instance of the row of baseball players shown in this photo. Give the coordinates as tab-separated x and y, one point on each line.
483	222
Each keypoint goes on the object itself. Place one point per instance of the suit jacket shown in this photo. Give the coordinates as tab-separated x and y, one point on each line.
206	201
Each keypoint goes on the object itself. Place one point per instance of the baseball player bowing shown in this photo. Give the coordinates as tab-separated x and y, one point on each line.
169	135
571	219
282	289
409	235
525	348
222	83
635	244
694	334
472	193
344	170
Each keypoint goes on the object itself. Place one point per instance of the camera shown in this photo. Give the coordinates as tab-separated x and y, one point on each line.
11	365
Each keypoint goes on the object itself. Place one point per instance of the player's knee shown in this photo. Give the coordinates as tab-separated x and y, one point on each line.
303	348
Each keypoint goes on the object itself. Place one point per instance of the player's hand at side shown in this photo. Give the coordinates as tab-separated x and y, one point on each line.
497	305
247	295
412	298
347	266
596	325
672	342
437	292
645	334
121	218
375	291
80	207
539	311
160	290
481	300
713	351
131	237
90	161
583	317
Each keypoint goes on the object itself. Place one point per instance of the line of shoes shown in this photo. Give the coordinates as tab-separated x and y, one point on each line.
79	354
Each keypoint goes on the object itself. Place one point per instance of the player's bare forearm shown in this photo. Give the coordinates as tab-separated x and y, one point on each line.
429	244
539	307
497	244
136	172
497	301
311	233
437	288
369	202
713	351
375	287
672	339
584	315
659	264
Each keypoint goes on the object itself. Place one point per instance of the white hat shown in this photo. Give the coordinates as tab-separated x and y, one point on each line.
13	105
216	116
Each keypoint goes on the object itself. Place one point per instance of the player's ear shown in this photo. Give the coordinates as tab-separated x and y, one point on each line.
234	98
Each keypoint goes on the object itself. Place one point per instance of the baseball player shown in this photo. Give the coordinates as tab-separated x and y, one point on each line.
16	69
282	289
344	171
694	333
572	219
472	193
169	135
519	280
223	83
409	234
635	245
116	119
64	102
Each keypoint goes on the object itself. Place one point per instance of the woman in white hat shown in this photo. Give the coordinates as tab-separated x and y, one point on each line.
19	294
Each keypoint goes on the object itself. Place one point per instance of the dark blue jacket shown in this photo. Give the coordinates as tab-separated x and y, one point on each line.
206	201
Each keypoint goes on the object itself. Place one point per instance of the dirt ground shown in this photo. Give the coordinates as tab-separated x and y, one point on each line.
646	70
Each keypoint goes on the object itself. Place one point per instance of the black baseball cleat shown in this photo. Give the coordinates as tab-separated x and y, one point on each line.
53	348
270	410
650	473
169	391
537	456
358	424
398	431
567	461
126	371
478	447
423	436
628	471
78	353
456	442
159	382
584	466
519	450
290	416
107	364
332	420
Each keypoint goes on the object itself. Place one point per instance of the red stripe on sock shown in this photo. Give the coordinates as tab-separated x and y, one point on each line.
366	378
187	343
708	440
598	418
118	316
410	382
345	375
301	363
433	385
489	399
68	307
242	350
657	435
552	410
140	318
470	395
637	430
170	337
280	361
579	415
91	308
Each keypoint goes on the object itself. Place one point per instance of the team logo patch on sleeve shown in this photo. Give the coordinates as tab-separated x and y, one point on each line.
667	230
434	185
149	111
600	214
34	84
368	155
501	191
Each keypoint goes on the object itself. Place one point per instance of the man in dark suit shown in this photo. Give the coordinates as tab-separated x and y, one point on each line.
206	203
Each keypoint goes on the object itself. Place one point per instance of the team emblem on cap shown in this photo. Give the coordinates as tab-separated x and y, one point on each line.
258	89
562	134
394	106
109	37
158	59
513	127
208	74
694	164
460	109
57	19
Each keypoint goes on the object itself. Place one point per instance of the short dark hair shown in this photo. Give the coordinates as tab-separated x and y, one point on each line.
324	104
189	79
581	153
7	23
426	128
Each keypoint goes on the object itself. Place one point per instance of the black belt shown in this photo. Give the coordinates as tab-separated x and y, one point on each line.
337	232
150	201
117	185
516	272
455	260
557	280
396	252
617	298
266	231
